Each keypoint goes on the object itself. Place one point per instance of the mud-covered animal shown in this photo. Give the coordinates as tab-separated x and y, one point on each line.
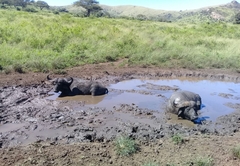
72	87
185	104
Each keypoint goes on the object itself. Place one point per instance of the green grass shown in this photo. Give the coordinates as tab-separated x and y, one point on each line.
177	139
156	164
151	164
125	146
203	161
43	41
236	151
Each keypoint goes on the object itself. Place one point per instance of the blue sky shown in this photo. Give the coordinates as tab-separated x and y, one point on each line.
156	4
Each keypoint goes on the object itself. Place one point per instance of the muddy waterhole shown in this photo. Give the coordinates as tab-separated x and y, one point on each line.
153	94
134	107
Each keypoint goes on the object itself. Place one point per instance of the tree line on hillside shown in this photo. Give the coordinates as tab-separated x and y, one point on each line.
24	3
237	18
89	5
92	8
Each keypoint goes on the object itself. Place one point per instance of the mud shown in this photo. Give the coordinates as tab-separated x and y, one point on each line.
30	114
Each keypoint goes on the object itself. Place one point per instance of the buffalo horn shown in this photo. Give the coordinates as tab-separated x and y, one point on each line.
70	81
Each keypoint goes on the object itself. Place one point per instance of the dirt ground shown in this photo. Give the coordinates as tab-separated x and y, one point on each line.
36	131
98	71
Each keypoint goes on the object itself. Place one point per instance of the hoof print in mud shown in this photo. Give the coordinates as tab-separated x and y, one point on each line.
185	104
73	86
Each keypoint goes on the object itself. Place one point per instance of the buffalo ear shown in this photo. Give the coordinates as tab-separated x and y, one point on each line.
51	81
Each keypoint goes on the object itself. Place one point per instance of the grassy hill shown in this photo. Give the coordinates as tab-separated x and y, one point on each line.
129	10
45	41
224	12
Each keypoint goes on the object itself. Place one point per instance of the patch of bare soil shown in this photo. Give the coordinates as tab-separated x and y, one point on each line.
102	71
163	151
37	131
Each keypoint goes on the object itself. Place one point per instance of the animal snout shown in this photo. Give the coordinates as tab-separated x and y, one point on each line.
56	89
194	117
106	91
193	114
188	113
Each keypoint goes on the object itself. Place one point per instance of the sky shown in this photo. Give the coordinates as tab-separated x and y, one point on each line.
155	4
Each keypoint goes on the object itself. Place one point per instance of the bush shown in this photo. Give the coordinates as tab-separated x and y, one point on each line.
18	68
236	151
177	139
55	12
202	161
8	70
237	18
30	9
151	164
125	146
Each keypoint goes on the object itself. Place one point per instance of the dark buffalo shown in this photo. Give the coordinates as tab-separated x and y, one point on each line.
72	87
185	104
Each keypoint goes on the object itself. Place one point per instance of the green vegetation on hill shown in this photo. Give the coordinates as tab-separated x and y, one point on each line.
45	41
225	12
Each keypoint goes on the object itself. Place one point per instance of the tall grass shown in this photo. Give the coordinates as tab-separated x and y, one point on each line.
44	41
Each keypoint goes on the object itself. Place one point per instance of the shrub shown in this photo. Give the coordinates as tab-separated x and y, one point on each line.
8	70
125	146
177	139
18	68
151	164
236	151
202	161
237	18
30	9
55	12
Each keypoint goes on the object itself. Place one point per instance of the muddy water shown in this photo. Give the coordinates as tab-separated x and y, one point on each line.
215	95
132	107
153	94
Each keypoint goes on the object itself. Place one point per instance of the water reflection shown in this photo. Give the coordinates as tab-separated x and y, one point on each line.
87	99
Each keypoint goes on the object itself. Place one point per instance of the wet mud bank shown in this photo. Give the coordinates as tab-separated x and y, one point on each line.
28	115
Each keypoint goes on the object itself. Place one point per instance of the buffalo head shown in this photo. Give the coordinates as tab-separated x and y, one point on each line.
61	84
185	104
188	113
187	110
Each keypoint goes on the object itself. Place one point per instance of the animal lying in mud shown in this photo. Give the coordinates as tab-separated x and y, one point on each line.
185	104
72	87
